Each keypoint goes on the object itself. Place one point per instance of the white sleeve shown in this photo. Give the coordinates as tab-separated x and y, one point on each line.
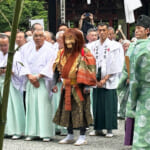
47	71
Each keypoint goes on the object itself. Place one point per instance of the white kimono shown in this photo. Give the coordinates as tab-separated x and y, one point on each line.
109	57
37	62
16	80
39	106
15	124
3	59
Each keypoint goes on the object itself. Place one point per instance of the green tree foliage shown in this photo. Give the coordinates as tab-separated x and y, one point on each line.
33	9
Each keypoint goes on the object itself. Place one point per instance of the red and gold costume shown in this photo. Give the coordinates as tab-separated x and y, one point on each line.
77	70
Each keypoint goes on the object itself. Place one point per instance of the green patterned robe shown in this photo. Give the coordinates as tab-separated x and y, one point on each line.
123	89
139	97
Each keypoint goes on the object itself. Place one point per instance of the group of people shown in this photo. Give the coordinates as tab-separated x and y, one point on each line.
69	84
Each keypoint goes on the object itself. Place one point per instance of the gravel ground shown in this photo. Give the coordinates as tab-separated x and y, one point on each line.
94	142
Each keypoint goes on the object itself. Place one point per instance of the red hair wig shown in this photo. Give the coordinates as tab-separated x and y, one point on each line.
79	40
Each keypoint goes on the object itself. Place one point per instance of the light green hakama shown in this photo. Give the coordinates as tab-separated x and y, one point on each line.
15	124
56	100
39	111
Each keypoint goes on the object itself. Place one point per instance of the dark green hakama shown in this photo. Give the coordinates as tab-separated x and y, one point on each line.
105	108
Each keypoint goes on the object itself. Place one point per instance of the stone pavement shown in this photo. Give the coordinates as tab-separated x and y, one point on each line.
94	143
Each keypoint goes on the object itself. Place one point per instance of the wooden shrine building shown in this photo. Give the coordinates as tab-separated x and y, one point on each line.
111	11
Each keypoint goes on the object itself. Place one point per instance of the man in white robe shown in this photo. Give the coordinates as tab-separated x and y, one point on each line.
15	124
108	66
37	62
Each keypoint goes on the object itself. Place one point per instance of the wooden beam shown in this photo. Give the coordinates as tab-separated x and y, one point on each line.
52	15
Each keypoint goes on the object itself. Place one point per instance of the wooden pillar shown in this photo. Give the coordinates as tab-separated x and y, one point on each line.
52	15
63	11
110	22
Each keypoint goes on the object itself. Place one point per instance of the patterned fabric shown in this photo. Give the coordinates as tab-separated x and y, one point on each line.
80	110
139	94
123	97
80	113
86	72
64	74
123	90
83	69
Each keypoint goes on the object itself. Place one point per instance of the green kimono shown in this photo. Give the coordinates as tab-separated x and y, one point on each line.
139	97
123	88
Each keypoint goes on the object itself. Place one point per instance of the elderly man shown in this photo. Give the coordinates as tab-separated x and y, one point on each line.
125	44
29	34
49	37
37	62
59	39
15	124
92	35
108	66
59	45
36	26
20	39
111	33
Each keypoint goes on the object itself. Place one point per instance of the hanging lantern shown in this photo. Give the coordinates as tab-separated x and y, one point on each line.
88	2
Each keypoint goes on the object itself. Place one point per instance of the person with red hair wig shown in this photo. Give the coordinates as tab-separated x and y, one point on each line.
76	66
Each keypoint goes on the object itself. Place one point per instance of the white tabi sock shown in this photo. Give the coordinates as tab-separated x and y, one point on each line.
69	137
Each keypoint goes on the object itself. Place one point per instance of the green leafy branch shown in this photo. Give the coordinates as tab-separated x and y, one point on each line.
5	17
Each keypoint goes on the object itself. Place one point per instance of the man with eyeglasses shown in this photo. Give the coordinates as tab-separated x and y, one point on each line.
104	95
37	63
